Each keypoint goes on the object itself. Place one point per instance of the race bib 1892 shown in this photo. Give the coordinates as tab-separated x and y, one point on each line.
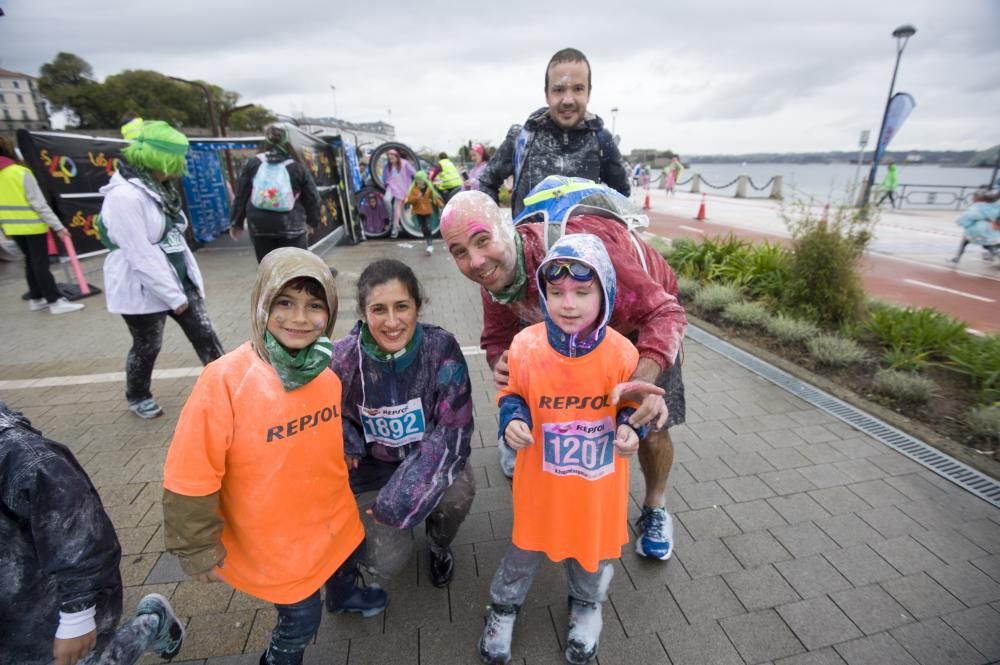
583	448
394	426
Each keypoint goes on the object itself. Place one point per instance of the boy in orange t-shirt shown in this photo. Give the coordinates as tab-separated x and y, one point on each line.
256	489
571	475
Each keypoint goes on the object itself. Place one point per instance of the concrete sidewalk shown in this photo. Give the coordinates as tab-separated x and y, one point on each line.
799	539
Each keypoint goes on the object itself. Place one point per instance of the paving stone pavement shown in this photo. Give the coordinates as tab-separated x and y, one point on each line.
799	539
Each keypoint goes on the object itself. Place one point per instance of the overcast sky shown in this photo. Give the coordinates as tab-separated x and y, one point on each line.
715	76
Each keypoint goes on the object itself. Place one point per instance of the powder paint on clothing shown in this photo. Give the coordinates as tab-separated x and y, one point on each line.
579	512
289	516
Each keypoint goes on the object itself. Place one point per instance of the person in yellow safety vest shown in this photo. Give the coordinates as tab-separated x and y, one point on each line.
26	218
131	127
447	181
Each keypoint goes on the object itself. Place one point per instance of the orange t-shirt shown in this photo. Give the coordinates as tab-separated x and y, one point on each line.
290	518
570	486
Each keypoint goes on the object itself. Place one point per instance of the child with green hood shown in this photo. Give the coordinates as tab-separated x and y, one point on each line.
422	196
256	482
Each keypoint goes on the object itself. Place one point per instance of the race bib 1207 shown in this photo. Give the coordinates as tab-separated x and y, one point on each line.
394	426
583	448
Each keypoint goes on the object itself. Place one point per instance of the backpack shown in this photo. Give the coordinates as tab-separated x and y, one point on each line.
272	186
557	198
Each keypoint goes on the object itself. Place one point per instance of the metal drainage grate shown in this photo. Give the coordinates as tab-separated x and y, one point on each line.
944	465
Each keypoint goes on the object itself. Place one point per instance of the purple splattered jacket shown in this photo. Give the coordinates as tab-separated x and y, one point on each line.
412	478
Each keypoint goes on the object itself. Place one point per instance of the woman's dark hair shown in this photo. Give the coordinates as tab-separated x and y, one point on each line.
385	270
277	138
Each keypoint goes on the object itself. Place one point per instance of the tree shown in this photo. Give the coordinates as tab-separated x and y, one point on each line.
68	83
65	78
252	119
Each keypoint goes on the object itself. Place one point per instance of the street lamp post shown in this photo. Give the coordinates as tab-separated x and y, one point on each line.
208	99
333	89
902	35
614	119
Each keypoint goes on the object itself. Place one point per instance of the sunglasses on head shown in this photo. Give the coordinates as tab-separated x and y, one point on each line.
577	271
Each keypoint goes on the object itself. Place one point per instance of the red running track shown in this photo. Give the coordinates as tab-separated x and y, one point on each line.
971	298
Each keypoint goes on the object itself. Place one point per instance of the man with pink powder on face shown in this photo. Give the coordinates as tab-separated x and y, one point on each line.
500	258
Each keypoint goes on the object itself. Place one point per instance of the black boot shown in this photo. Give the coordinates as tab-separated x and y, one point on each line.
347	592
442	567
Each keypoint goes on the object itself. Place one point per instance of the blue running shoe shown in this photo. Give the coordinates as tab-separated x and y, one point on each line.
656	534
170	636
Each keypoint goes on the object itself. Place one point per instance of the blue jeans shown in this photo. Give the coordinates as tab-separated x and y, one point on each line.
296	627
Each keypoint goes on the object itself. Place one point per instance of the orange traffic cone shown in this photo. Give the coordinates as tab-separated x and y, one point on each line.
701	210
646	206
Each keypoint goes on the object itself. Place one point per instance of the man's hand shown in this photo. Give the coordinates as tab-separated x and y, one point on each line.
208	576
235	233
63	233
626	441
180	310
73	650
650	398
518	435
501	372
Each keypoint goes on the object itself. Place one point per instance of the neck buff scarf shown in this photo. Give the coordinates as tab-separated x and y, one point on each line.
372	348
518	288
170	199
298	370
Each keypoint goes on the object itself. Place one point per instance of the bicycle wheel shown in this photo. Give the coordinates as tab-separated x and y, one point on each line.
412	227
380	158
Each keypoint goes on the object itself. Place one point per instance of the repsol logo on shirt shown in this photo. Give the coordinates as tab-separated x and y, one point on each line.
574	402
296	425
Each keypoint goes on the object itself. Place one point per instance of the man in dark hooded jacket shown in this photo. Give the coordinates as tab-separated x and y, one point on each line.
561	139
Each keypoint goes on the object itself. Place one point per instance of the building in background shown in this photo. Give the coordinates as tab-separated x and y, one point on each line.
21	104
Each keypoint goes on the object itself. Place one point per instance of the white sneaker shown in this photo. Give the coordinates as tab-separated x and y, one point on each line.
494	645
429	250
36	304
585	623
63	306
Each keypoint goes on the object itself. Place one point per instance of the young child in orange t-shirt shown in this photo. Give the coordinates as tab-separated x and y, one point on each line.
256	485
571	475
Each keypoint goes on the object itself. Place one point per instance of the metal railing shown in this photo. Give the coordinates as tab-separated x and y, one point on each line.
949	197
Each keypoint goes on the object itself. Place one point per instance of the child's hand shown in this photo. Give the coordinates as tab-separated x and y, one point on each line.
208	576
73	650
352	461
626	441
518	435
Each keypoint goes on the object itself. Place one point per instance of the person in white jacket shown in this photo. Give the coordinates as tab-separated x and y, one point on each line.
150	273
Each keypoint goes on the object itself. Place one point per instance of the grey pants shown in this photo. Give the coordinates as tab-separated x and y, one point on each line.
518	568
389	548
127	644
